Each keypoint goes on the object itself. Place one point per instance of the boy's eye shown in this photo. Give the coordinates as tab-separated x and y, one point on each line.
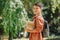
36	8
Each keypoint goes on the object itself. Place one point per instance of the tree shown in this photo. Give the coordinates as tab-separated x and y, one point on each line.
13	17
52	15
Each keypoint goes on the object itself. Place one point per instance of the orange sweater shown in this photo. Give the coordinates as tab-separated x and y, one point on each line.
36	34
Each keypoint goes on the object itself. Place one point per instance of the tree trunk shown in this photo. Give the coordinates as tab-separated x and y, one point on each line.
10	35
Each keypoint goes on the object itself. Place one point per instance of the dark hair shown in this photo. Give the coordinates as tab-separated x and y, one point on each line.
39	4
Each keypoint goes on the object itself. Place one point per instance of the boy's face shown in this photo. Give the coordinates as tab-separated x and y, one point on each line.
36	9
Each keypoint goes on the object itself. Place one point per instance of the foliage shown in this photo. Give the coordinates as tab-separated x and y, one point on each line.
13	16
2	4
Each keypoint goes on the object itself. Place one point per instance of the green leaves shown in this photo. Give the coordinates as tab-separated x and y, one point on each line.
14	16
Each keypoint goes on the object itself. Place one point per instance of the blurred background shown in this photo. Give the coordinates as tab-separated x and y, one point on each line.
13	14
